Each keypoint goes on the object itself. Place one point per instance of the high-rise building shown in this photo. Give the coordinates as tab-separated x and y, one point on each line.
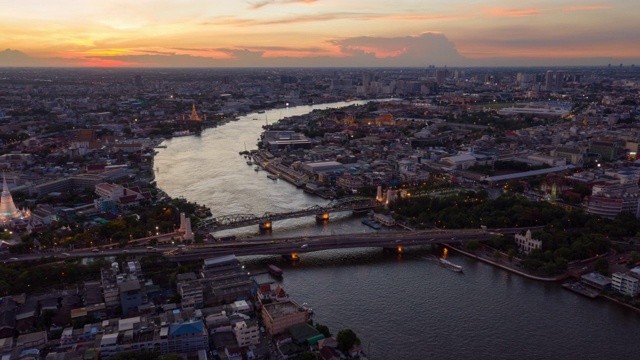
367	78
137	80
441	76
554	80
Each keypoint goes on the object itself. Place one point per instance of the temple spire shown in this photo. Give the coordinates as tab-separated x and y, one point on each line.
8	210
194	115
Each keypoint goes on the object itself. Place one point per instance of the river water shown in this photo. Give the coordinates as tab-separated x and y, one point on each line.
401	306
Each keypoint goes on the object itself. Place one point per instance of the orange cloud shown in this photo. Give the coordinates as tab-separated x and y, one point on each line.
502	12
330	16
261	4
586	8
102	62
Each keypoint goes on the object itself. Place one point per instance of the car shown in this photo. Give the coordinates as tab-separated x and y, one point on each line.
95	250
66	254
304	246
13	259
125	251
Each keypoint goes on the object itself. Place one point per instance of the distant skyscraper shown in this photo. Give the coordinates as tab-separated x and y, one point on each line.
366	79
441	75
554	80
137	80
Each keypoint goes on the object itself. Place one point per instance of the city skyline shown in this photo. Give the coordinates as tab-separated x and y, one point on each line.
312	33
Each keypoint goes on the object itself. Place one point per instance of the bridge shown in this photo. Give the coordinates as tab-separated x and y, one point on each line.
288	247
266	220
293	247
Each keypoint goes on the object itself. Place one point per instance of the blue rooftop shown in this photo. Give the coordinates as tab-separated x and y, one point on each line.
187	328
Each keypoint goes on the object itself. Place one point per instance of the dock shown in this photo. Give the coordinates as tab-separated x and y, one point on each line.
581	289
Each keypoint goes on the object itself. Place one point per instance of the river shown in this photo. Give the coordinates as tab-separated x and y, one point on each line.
401	306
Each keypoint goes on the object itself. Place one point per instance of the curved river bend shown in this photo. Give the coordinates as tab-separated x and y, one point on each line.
401	306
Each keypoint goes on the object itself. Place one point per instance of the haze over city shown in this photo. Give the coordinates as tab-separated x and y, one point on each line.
312	33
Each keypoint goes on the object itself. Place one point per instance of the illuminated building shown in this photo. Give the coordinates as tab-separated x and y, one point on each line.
8	211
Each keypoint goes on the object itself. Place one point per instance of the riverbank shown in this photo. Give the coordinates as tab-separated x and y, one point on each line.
511	267
506	266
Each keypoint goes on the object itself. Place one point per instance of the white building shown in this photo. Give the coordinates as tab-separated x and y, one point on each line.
385	220
526	244
246	332
462	161
625	284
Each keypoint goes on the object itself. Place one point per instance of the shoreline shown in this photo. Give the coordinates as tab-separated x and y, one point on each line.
539	278
533	277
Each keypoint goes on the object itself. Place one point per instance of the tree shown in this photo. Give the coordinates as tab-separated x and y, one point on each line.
346	338
135	355
473	245
602	266
171	356
307	355
324	330
634	257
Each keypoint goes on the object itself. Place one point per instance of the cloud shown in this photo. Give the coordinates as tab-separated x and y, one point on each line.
260	4
502	12
427	48
329	16
363	51
16	58
586	8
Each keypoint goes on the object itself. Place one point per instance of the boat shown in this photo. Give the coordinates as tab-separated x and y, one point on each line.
372	224
275	271
257	168
261	112
449	265
307	309
272	177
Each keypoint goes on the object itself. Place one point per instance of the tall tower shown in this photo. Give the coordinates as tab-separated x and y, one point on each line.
441	76
554	80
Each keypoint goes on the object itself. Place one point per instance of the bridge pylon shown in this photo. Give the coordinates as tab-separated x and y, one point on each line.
393	249
322	218
293	257
265	227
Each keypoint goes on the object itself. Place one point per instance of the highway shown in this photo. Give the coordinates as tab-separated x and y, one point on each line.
280	246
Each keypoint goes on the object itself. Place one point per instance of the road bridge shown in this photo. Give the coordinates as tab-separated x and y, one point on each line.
290	247
293	247
265	221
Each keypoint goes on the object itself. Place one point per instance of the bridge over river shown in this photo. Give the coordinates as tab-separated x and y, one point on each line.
289	247
265	221
292	247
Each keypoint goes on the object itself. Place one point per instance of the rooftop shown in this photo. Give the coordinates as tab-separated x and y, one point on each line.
281	309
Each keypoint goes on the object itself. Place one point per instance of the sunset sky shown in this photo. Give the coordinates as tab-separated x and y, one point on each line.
318	32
